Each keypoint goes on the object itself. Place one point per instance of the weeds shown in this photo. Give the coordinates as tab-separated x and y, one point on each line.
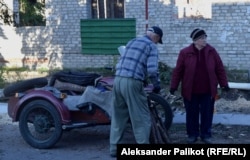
165	72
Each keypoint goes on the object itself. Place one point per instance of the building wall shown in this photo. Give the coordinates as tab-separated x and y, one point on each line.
58	44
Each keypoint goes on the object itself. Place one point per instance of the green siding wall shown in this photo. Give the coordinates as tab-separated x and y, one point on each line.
103	36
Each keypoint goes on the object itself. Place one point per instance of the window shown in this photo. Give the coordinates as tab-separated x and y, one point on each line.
194	9
107	9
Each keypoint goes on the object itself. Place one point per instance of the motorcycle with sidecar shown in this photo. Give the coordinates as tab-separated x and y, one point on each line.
45	107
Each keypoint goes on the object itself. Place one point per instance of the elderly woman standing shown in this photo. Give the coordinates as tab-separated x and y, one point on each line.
200	69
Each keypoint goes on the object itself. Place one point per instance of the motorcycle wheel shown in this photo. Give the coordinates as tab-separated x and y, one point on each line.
40	124
163	109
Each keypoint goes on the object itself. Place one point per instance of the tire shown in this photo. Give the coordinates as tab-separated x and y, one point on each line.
75	77
163	109
24	85
40	124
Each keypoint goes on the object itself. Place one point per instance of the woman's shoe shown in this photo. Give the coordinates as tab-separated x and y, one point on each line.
206	140
191	140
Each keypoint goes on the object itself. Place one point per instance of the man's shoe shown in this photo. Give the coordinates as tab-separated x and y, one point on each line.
191	140
207	140
113	154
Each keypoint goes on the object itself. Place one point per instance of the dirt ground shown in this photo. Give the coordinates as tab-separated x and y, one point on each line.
93	143
89	143
234	101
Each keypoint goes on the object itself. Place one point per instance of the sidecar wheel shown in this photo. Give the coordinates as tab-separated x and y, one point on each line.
40	124
163	109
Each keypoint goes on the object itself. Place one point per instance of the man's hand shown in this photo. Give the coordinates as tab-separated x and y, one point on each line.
157	89
145	83
172	91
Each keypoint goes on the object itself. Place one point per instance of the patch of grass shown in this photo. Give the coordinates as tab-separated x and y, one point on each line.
238	76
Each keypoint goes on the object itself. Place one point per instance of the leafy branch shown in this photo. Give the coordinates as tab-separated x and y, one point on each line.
5	13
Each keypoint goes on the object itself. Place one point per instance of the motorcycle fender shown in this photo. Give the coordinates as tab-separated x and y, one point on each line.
42	94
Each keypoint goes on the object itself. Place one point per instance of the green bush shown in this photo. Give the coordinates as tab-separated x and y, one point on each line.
165	73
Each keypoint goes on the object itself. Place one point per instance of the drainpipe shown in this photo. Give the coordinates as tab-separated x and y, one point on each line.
146	13
244	86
